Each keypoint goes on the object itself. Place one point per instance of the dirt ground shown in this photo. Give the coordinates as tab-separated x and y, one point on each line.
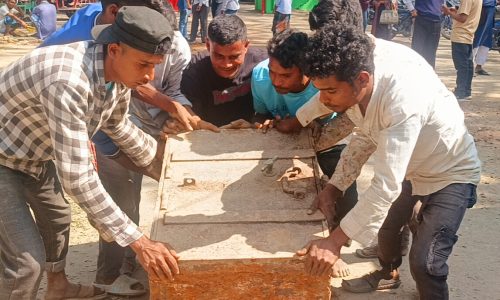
473	264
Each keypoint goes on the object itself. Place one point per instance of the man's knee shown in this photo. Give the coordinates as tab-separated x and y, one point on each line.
431	259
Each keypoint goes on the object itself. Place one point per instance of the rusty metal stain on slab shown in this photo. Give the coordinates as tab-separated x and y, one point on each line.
242	279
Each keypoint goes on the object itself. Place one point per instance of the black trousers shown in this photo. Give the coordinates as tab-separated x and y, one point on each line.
425	41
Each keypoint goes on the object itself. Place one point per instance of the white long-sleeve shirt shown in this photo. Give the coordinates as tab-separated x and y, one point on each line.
419	132
230	4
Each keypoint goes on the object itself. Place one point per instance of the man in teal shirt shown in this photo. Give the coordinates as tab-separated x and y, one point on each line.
279	89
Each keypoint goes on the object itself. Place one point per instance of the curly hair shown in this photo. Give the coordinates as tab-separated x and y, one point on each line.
227	29
340	51
330	12
287	47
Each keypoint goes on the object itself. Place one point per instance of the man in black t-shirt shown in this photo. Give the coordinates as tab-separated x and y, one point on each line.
217	81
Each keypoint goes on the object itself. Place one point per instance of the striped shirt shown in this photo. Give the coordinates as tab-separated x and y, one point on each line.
51	102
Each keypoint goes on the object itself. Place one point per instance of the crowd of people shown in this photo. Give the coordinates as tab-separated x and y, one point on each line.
43	16
119	75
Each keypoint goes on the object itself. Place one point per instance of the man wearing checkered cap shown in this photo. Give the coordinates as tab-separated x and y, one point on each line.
52	101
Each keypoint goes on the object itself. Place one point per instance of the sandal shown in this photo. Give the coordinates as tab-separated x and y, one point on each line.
124	285
367	252
482	72
86	292
371	282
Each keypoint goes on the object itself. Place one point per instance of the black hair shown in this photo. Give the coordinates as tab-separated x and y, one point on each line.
339	50
227	29
157	5
163	7
330	12
287	47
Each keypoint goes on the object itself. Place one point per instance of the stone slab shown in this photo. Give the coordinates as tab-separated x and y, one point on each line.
239	144
235	226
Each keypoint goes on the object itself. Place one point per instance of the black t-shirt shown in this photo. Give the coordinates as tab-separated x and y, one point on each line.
220	100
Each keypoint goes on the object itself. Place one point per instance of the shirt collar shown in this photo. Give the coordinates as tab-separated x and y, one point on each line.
98	72
97	18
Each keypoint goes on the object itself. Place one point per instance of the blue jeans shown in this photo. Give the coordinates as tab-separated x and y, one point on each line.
124	187
484	32
365	19
183	21
10	22
29	246
434	234
462	59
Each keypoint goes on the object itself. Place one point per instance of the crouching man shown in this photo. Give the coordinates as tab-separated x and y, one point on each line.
420	136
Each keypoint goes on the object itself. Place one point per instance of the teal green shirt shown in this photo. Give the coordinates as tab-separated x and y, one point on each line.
266	100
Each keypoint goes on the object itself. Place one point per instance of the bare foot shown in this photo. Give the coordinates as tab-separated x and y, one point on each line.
340	269
58	287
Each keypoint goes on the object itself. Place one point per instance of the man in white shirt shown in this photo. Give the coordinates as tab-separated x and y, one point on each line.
229	7
420	136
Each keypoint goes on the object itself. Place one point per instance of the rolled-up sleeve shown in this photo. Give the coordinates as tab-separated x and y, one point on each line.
311	110
65	109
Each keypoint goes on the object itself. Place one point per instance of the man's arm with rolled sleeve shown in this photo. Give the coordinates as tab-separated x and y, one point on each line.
395	145
65	109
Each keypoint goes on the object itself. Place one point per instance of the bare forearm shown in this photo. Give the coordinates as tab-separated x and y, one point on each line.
20	11
462	18
338	237
190	110
19	20
150	95
289	125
